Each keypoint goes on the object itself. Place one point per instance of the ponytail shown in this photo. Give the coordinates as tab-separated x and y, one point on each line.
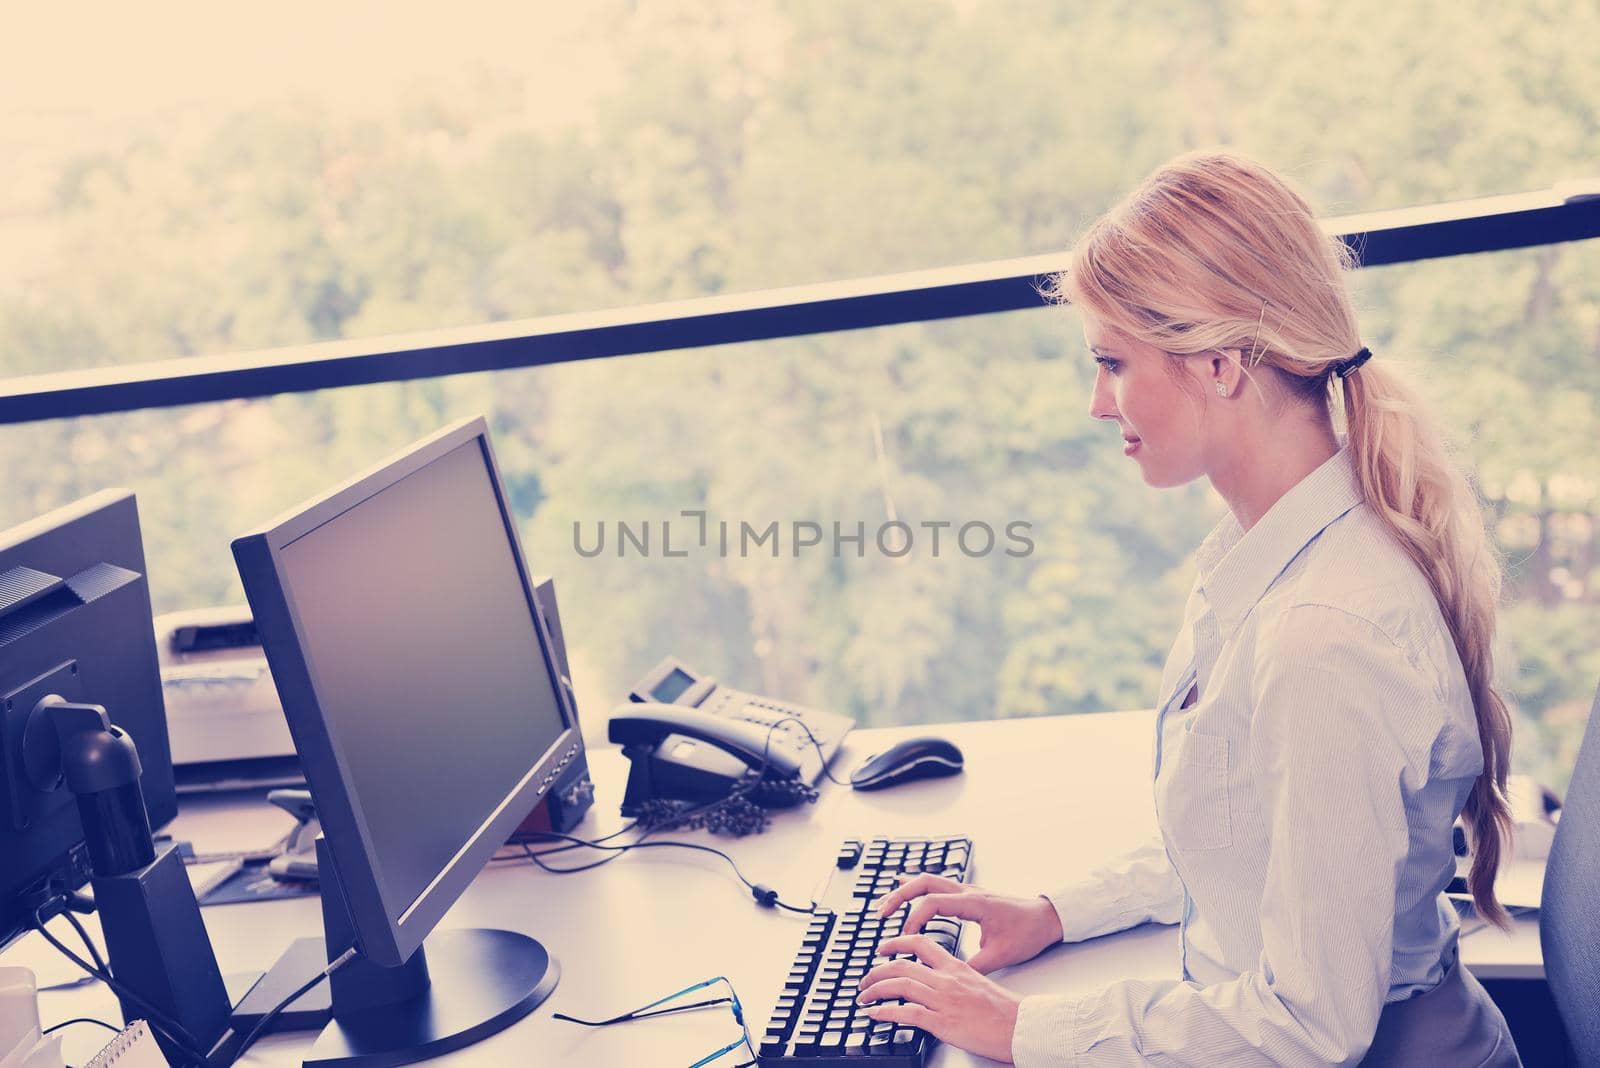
1433	512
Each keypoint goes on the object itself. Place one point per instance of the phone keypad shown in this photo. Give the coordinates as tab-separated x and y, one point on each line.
761	713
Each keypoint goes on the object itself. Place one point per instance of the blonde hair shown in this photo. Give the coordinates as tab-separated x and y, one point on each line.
1215	251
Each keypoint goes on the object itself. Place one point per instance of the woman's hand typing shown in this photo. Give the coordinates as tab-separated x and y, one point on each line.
941	995
1011	929
927	987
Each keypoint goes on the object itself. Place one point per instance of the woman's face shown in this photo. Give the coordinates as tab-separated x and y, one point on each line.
1157	400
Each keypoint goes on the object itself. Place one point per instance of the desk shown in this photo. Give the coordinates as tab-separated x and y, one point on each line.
1045	800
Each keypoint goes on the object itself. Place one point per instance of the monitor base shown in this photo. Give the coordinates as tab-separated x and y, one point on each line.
303	960
481	981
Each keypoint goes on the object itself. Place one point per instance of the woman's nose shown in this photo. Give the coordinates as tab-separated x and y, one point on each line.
1101	405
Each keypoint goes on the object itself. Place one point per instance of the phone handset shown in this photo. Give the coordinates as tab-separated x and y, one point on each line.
638	723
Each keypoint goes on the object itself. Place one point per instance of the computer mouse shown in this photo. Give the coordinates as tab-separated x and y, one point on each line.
908	761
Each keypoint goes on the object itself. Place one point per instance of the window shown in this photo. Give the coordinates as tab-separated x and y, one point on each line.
979	422
354	174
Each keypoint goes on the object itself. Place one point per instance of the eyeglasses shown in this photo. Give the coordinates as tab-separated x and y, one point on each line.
646	1011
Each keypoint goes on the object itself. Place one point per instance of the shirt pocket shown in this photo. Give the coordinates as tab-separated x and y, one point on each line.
1197	794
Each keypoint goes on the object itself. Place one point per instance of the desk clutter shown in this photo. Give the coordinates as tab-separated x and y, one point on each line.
133	1047
24	1045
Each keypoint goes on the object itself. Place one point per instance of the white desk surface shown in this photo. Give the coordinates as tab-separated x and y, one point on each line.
1044	799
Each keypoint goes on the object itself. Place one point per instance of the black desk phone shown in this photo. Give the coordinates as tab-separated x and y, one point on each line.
692	739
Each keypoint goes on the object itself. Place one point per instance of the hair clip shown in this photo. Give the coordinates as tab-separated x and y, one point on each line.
1353	364
1254	357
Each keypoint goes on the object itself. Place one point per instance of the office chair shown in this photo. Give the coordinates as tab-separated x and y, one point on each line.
1569	920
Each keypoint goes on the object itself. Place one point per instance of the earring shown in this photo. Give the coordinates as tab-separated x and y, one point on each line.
1222	390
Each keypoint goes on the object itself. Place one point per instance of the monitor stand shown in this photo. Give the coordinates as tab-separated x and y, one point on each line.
459	987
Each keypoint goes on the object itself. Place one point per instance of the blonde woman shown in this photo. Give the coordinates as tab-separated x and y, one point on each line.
1328	708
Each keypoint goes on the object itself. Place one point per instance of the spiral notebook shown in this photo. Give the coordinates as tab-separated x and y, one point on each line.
134	1047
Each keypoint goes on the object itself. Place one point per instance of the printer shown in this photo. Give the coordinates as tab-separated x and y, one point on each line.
223	717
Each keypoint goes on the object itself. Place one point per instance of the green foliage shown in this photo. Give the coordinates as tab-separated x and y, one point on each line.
745	146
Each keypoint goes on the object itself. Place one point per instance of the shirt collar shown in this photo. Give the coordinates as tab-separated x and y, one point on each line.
1236	567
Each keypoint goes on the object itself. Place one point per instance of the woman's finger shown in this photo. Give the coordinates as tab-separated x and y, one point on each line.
916	886
922	947
904	968
909	1015
989	958
907	989
961	906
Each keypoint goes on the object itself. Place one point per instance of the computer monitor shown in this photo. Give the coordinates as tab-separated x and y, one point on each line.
75	621
419	685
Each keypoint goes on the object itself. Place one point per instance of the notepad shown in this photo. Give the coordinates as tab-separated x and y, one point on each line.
134	1047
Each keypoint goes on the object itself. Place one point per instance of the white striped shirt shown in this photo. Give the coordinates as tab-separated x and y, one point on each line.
1305	802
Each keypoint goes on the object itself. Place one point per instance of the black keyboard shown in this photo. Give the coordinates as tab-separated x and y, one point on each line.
816	1020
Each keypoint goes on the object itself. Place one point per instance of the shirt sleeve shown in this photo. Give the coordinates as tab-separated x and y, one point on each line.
1334	704
1138	887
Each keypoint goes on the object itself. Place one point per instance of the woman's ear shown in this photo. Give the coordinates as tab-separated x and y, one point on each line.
1224	367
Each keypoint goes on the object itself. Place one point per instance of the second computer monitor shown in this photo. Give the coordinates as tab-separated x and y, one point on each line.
418	681
74	623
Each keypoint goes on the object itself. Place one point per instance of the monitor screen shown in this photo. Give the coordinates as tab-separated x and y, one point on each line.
427	663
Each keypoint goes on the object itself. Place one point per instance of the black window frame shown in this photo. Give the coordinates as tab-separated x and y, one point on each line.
1404	235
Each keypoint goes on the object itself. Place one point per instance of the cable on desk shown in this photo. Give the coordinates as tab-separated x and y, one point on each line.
277	1010
79	1020
174	1032
764	896
756	782
520	840
94	952
598	843
812	738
